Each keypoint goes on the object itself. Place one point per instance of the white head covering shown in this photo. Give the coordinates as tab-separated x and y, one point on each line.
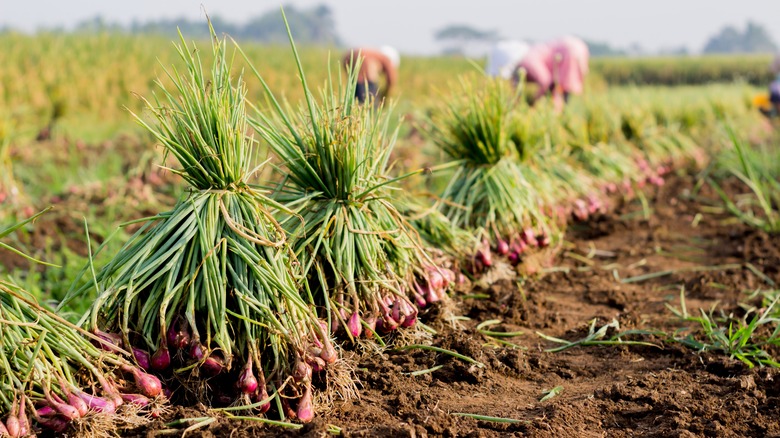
391	53
504	57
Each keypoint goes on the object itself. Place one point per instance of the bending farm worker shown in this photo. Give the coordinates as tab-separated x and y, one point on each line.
504	57
558	67
374	65
772	107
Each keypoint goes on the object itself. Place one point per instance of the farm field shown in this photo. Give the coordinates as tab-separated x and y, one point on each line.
636	296
661	389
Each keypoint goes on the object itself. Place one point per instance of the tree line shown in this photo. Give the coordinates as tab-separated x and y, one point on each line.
313	25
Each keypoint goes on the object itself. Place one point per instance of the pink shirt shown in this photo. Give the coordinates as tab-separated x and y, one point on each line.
570	63
537	64
563	62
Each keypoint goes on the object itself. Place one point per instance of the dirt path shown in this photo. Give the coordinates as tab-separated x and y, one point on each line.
607	391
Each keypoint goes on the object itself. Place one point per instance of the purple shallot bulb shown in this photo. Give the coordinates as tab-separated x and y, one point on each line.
305	410
161	359
409	312
396	311
197	351
317	363
13	428
97	404
419	300
212	366
485	257
435	279
580	210
148	384
80	405
420	292
370	326
171	335
386	324
247	380
328	354
323	325
142	358
44	411
353	324
502	247
335	325
136	399
529	238
178	333
109	389
24	423
66	410
432	296
449	276
259	395
301	371
108	341
594	205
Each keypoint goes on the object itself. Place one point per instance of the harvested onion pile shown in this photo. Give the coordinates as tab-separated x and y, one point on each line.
205	295
52	376
492	189
366	266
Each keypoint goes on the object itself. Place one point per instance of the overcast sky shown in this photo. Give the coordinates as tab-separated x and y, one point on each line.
409	24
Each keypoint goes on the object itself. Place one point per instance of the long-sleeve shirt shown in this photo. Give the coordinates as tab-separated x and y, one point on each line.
537	64
570	63
563	62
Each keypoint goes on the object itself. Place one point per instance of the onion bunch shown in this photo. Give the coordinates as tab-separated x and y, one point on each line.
361	255
627	147
207	292
52	375
493	188
658	144
523	173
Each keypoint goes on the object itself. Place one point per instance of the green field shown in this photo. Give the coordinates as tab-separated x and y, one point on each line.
87	81
89	86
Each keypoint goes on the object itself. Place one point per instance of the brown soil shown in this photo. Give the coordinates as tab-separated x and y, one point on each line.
667	390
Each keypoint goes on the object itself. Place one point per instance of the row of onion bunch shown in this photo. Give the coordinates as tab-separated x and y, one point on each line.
625	145
521	174
367	270
55	376
207	294
493	188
